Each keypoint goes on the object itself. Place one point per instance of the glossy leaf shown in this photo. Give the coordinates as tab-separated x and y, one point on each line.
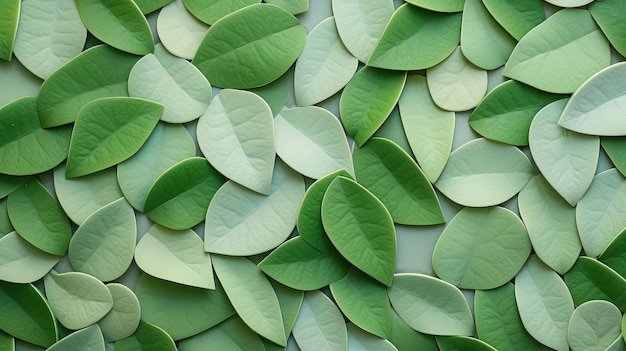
10	11
592	280
404	338
614	147
609	15
594	326
88	339
232	334
320	325
462	343
360	340
179	31
212	10
516	17
123	319
613	256
21	262
148	337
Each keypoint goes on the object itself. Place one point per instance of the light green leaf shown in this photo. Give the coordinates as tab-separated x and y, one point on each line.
594	326
393	130
8	184
439	6
618	344
241	222
592	280
615	149
103	245
462	343
320	325
295	7
428	128
610	17
548	59
148	337
359	340
179	31
5	223
516	17
123	319
277	92
569	3
613	256
209	11
21	262
87	339
290	301
231	335
10	14
236	135
404	338
148	6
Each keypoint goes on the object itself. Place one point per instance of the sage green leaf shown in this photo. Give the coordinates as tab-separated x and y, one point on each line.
77	299
416	39
66	91
177	256
180	310
516	17
392	176
119	23
123	319
311	141
615	148
324	67
5	222
10	11
8	184
597	213
613	256
148	6
498	321
360	23
50	34
462	343
594	326
551	224
455	84
609	15
439	6
148	337
294	7
236	135
548	59
569	3
25	146
364	301
179	31
82	196
544	303
393	130
596	106
241	222
484	173
360	340
268	41
506	113
7	342
404	338
108	131
618	344
231	335
26	314
481	248
301	266
21	262
179	198
361	228
212	10
173	82
367	101
252	296
430	305
320	325
88	339
290	301
277	92
104	244
428	128
592	280
167	145
483	41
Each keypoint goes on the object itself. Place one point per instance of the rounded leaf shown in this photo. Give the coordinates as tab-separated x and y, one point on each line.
209	11
439	6
360	340
594	326
123	319
147	337
10	16
88	339
320	325
465	343
21	262
569	3
295	7
179	31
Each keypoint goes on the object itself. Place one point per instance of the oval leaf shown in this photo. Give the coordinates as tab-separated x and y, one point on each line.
148	6
209	11
320	325
21	262
10	16
458	343
594	326
232	334
592	280
615	149
88	339
179	31
147	337
439	6
405	338
123	319
517	17
610	16
359	340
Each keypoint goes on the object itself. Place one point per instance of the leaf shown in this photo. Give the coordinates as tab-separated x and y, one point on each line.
25	146
268	39
439	6
77	299
324	67
596	106
50	34
516	17
177	256
7	342
506	113
320	325
484	173
173	82
108	131
391	175
149	6
547	57
209	11
179	198
594	326
430	305
361	228
5	223
428	128
295	7
544	304
393	130
232	334
481	248
236	135
416	39
613	256
455	84
8	184
614	148
277	92
404	338
290	301
10	11
592	280
88	339
124	318
118	23
311	141
367	101
462	343
179	31
241	222
20	262
103	245
26	314
609	15
148	337
359	340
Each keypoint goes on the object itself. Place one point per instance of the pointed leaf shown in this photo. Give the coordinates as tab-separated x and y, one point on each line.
610	16
594	326
124	317
179	31
320	325
439	6
462	343
592	280
294	7
209	11
231	335
404	338
277	92
614	255
8	184
290	301
148	337
615	149
88	339
360	340
21	262
517	17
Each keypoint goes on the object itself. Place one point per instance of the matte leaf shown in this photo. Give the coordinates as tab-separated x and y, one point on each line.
231	335
592	280
615	148
360	340
294	7
290	301
594	326
610	17
393	130
209	11
439	6
148	337
320	325
124	318
88	339
179	31
8	184
614	255
569	3
516	17
10	11
404	338
148	6
21	262
462	343
277	92
7	342
5	223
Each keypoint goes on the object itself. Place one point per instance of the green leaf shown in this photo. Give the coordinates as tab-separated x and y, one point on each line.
148	6
544	304
118	23
615	148
367	101
236	135
5	223
548	59
241	222
10	11
294	7
148	337
360	340
108	131
569	3
484	173
404	338
320	325
8	184
77	299
177	256
26	314
21	262
290	301
516	17
430	305
592	280
209	11
416	39
594	326
277	92
614	255
439	6
25	146
179	31
7	342
179	198
123	319
231	335
610	17
103	245
311	141
88	339
361	228
393	130
391	175
462	343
